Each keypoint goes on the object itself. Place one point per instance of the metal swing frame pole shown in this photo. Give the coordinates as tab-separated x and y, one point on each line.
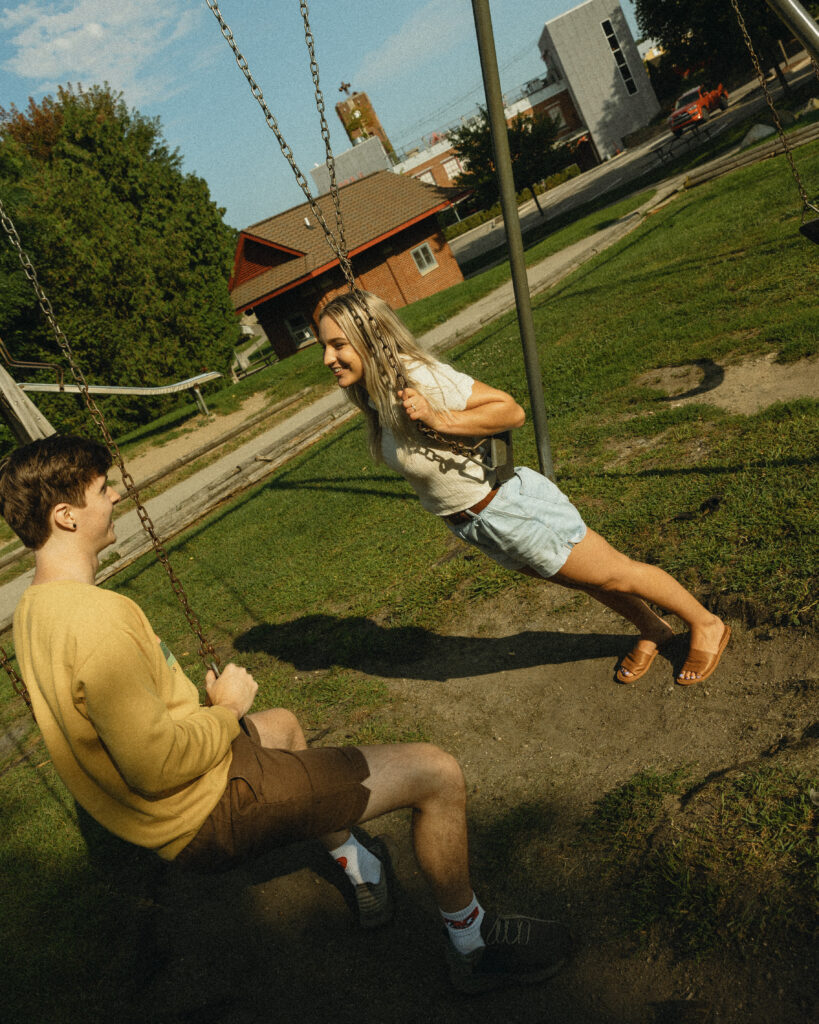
799	22
511	221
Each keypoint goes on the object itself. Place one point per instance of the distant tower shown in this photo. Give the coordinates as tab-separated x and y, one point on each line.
358	117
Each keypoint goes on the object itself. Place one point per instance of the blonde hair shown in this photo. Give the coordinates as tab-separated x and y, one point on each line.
384	346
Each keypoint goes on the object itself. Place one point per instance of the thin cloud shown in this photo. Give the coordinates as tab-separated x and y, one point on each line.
95	41
429	35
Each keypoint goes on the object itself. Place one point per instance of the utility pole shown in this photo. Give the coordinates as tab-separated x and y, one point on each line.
511	223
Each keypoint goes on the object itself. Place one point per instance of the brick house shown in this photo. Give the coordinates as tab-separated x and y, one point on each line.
285	272
438	164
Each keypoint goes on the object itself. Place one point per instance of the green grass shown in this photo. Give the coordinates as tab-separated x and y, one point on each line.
739	863
425	314
328	578
278	381
305	369
629	813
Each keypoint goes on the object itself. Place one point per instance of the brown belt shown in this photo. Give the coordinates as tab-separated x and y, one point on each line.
465	516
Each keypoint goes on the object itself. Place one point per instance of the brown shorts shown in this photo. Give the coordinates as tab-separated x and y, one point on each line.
276	797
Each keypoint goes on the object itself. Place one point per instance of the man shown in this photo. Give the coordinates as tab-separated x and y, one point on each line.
210	787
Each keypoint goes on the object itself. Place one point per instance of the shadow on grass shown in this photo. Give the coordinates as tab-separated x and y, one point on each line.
122	938
793	462
712	376
315	642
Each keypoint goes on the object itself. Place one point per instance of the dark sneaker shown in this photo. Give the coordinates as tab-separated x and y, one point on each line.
519	951
374	899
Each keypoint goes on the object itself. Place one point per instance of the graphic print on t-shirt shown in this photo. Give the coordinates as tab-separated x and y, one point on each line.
168	654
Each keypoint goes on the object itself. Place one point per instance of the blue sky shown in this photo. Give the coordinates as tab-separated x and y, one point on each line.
417	60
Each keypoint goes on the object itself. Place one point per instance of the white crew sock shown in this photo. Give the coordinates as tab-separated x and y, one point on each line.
464	926
358	863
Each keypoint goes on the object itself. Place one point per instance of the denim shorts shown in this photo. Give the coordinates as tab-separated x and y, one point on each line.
530	523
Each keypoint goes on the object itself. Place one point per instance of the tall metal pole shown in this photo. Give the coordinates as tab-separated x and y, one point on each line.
511	222
799	22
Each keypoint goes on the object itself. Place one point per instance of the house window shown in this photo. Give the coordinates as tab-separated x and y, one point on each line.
300	329
619	59
426	176
424	259
452	167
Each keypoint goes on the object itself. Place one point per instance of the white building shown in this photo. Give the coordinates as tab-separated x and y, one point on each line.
365	157
592	50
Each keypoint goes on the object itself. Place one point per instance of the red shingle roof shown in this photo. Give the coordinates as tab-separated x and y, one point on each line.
372	208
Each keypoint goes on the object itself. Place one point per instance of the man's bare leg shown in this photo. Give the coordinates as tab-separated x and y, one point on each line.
278	729
484	952
430	781
416	775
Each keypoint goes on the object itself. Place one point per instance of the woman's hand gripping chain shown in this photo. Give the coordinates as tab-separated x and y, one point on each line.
417	407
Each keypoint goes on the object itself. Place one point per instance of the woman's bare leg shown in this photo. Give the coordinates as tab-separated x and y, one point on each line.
595	563
654	630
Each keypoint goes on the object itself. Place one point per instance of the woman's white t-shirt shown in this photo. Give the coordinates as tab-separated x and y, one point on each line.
444	481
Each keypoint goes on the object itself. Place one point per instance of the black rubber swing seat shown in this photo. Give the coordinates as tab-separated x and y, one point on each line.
810	229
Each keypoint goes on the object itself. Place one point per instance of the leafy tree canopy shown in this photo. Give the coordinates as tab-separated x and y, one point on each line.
132	253
703	36
531	147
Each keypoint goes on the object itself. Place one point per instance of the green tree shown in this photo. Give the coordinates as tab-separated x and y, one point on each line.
703	35
133	253
532	148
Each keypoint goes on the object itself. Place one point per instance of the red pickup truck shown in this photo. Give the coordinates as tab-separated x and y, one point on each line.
695	106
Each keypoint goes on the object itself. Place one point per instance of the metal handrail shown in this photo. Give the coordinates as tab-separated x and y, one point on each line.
21	364
115	389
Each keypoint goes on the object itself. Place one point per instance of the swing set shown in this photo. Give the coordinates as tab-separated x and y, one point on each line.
495	452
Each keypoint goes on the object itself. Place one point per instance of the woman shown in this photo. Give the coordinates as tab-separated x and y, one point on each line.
525	523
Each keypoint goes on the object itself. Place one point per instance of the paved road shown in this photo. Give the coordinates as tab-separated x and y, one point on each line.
607	177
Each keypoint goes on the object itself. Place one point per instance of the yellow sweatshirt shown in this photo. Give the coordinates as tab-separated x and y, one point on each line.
120	719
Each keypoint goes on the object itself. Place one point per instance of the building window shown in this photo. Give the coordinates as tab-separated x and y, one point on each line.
424	259
426	176
452	167
300	329
619	59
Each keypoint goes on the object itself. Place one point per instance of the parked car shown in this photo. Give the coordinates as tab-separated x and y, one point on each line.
695	106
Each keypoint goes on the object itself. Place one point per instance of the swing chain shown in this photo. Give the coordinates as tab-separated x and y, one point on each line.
206	651
272	124
339	246
459	447
325	131
806	204
16	681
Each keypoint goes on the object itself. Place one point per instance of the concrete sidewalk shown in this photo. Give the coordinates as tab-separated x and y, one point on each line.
187	501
